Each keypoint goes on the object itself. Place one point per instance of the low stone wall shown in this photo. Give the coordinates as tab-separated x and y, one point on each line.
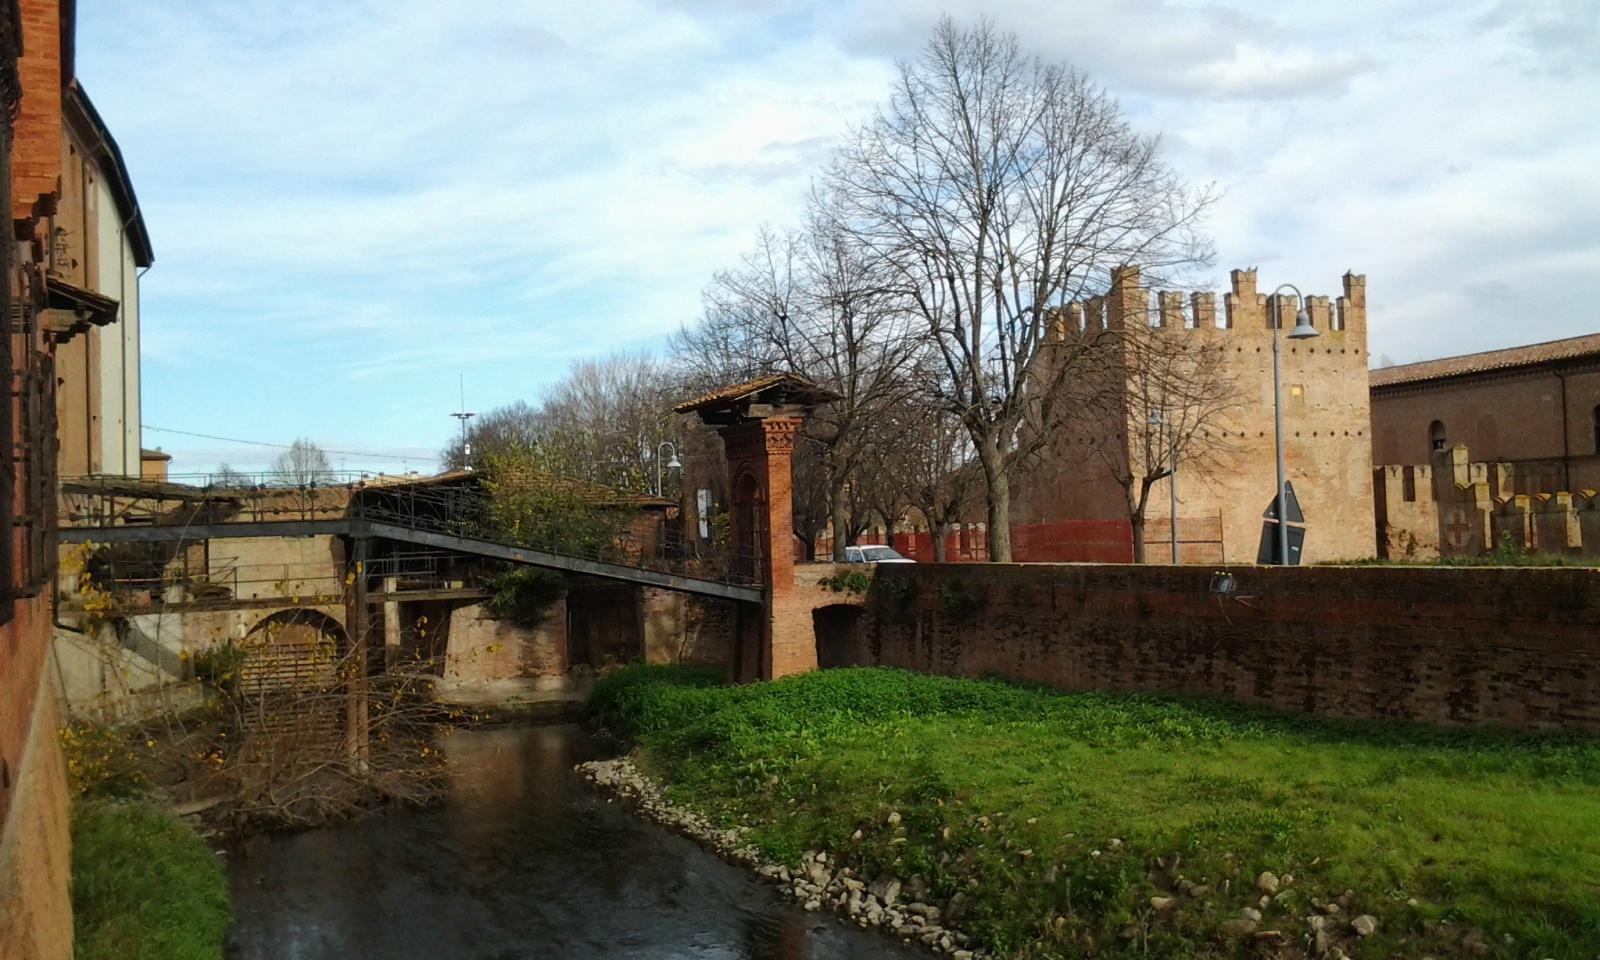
1515	647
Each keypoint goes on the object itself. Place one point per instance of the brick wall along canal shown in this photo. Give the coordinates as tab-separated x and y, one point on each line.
520	861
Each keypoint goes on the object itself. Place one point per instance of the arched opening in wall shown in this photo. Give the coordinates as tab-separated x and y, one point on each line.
291	652
837	628
746	518
1436	436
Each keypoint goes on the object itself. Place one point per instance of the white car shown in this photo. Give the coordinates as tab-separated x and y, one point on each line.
874	554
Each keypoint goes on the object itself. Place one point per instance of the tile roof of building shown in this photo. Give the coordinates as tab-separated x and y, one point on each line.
1533	354
798	387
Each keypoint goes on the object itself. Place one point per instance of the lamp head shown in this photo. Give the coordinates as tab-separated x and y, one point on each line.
674	463
1303	330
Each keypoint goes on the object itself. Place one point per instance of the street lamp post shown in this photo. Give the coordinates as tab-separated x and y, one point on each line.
1156	420
675	464
1303	330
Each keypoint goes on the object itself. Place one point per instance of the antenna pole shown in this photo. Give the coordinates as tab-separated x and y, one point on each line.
463	414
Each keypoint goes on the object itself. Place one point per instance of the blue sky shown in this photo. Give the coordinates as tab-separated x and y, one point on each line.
352	203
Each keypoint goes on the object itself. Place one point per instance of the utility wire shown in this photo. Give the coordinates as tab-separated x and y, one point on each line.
282	446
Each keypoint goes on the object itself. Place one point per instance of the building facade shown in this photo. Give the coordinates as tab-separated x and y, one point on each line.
99	248
1489	451
1535	408
44	353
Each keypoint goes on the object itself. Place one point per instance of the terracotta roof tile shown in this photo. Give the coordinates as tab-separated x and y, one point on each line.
738	391
1572	348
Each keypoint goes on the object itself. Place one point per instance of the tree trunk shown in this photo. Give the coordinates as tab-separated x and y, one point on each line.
999	490
1136	511
937	533
838	516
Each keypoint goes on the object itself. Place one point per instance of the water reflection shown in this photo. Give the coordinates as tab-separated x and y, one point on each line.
519	862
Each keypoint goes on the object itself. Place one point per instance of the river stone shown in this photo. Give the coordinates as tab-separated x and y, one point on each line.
885	888
1251	914
1267	883
1237	928
1365	925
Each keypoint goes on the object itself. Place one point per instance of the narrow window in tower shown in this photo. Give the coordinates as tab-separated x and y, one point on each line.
1436	436
1597	428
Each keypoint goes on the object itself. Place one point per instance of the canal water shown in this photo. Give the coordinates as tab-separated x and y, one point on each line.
519	861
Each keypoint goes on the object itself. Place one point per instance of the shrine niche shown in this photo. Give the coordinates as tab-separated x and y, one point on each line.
758	421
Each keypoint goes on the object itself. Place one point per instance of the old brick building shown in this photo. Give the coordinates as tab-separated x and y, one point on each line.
1227	473
45	317
1536	406
1489	450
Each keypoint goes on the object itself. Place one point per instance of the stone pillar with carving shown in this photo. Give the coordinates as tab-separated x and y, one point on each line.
758	422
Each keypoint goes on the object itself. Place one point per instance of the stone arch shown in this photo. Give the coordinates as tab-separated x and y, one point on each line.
838	633
291	649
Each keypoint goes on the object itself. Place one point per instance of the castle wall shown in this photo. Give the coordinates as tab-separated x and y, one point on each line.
1460	507
1444	645
1227	477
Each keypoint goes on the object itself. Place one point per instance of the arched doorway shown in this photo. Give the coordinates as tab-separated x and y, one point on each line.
838	632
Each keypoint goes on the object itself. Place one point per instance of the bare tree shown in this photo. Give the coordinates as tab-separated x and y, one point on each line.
931	460
1166	401
816	303
228	478
500	431
994	186
304	463
810	493
604	422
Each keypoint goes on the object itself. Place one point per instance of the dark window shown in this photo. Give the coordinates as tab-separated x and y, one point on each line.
1436	436
1597	428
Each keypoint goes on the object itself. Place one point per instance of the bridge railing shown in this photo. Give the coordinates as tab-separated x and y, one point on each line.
464	511
461	510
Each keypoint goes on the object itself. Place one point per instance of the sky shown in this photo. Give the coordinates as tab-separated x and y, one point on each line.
354	204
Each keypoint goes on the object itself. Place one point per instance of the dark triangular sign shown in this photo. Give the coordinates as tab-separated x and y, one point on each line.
1295	516
1268	552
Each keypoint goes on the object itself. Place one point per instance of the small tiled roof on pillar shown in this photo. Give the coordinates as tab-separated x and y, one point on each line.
776	394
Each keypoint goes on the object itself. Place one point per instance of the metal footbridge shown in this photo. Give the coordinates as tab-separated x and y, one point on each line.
449	517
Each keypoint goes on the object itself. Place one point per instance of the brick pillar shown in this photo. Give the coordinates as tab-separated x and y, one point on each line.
759	453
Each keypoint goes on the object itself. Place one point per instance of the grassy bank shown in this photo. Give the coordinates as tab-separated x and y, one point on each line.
144	885
1141	825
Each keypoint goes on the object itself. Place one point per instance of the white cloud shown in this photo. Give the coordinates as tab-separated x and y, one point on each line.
352	202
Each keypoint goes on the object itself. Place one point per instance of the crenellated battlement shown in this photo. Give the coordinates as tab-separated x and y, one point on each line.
1460	507
1244	308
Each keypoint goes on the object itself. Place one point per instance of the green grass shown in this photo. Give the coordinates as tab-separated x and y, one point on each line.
1490	831
144	886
